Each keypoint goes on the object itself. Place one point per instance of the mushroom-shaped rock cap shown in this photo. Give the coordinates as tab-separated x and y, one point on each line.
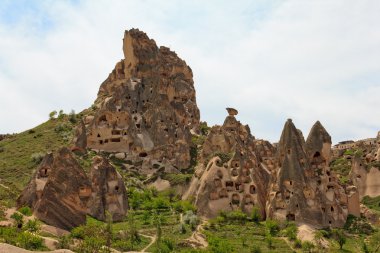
232	111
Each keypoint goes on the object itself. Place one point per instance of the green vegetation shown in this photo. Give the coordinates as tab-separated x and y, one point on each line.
22	152
25	210
341	165
356	225
372	203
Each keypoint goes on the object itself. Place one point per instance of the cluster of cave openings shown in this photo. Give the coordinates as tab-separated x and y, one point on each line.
252	189
290	217
235	199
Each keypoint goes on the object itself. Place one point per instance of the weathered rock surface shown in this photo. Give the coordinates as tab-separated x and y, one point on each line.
230	177
59	191
108	191
305	190
147	106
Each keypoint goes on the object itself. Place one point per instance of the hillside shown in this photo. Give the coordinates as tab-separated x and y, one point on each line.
138	170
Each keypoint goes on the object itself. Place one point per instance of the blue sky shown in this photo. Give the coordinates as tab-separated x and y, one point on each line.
271	60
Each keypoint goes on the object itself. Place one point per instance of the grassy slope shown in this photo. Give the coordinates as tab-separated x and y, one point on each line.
16	163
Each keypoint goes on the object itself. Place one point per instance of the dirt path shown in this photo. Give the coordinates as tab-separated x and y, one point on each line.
153	240
197	239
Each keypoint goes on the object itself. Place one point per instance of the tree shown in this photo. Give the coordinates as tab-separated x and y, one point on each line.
52	114
339	236
132	229
73	117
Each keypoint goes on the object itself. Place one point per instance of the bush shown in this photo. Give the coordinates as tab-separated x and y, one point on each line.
191	219
255	215
307	246
357	225
290	231
52	114
19	219
37	157
272	227
64	242
217	245
29	241
255	249
73	117
339	236
25	210
32	226
297	244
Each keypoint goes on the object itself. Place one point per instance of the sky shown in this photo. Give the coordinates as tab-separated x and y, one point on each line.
271	60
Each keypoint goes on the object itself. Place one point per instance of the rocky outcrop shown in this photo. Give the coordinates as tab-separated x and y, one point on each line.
230	177
108	191
59	191
305	190
147	106
61	194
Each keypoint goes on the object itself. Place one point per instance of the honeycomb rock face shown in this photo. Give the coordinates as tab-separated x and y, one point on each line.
146	107
59	191
304	189
232	178
108	191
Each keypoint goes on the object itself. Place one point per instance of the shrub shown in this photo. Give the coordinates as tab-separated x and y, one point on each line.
191	219
32	226
297	244
357	225
290	231
73	117
25	210
19	219
269	241
255	215
29	241
52	114
339	236
217	245
272	227
255	249
37	157
307	246
64	242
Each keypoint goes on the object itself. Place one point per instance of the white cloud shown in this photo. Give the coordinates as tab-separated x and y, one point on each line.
307	60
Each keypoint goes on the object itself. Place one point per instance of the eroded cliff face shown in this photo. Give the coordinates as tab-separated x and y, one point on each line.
305	190
59	191
230	176
108	191
146	108
61	194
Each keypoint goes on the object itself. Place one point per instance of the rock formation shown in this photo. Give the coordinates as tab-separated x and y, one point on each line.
229	176
59	191
147	106
305	190
108	191
61	194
